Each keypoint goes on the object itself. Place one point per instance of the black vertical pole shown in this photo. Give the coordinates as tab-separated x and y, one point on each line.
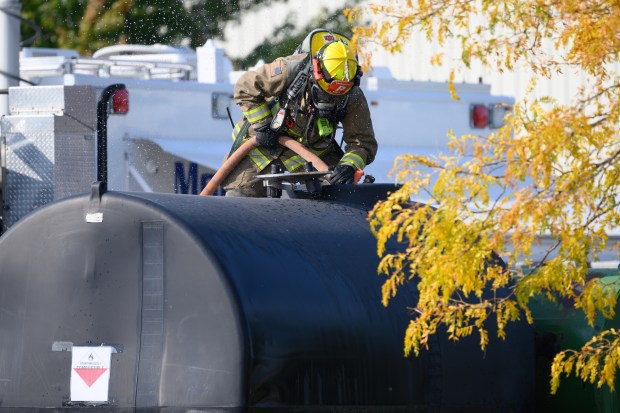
102	130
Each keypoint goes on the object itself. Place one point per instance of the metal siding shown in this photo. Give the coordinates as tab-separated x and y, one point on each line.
251	30
412	64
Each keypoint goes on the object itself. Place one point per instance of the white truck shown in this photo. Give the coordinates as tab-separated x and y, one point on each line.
158	118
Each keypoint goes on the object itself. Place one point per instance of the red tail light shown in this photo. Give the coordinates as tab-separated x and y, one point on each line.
120	102
478	116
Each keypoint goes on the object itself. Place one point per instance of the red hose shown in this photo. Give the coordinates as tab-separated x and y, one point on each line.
302	151
230	163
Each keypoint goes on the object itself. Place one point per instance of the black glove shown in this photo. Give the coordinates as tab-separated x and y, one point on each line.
343	174
266	137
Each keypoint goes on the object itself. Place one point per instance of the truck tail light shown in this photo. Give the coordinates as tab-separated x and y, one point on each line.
478	116
120	102
492	115
499	111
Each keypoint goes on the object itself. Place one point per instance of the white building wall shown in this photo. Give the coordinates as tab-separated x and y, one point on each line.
242	37
411	64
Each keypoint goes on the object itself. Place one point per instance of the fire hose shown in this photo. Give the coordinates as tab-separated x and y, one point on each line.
232	161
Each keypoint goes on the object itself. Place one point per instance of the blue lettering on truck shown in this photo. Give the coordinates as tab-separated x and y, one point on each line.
188	183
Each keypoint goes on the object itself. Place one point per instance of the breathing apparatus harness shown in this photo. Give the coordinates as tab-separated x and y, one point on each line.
282	119
322	106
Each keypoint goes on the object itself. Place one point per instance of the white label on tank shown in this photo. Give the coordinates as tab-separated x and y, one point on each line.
94	217
90	373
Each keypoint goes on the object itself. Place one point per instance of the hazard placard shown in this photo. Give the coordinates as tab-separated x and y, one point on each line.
90	373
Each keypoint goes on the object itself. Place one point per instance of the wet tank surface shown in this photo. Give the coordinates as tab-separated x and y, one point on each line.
226	305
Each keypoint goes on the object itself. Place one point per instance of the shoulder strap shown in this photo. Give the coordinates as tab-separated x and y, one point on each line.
301	79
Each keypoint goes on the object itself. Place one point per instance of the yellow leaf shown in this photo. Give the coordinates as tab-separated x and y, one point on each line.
451	87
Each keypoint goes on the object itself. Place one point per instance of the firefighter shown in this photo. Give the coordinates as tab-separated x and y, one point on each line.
304	96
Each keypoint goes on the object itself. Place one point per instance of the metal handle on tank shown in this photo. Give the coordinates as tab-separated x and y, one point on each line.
239	154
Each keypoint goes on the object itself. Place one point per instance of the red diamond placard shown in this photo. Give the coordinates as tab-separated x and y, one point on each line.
90	376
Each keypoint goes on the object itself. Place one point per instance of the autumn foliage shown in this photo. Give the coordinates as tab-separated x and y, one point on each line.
553	170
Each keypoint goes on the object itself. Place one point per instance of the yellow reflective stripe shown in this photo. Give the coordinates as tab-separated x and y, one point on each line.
259	159
293	133
353	159
294	162
258	113
236	130
320	150
321	146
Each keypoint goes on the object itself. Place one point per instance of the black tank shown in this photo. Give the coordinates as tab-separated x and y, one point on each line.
215	304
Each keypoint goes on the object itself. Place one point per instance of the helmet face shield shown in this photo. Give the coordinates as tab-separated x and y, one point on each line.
338	87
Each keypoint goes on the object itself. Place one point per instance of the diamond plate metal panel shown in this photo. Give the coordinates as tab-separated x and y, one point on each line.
29	178
77	102
37	99
76	163
43	164
50	146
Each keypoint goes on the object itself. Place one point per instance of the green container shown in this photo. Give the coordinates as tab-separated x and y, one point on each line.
558	327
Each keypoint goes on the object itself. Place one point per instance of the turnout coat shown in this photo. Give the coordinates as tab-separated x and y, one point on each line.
260	93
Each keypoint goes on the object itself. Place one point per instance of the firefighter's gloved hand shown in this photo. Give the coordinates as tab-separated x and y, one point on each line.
266	137
343	174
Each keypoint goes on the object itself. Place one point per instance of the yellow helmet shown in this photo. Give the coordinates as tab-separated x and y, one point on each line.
335	67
